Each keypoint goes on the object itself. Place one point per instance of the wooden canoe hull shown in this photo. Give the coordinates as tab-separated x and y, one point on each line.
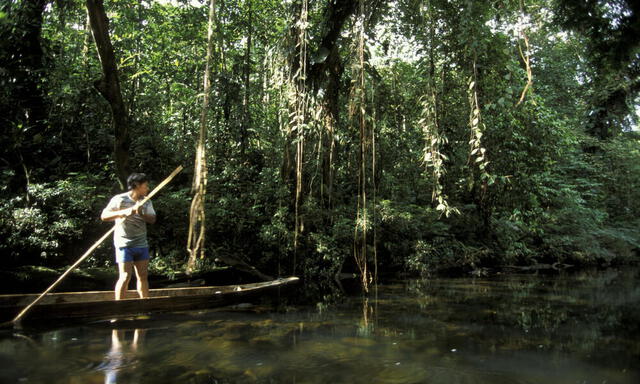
100	304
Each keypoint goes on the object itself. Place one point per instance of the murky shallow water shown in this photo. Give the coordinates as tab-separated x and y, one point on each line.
582	328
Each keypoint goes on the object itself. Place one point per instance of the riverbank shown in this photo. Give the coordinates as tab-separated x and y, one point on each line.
35	279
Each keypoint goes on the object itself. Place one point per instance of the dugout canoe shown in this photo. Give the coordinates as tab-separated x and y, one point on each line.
101	304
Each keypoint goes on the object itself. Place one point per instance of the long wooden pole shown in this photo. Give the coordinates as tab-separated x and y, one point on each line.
16	320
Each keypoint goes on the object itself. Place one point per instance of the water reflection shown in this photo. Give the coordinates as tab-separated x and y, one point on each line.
507	329
367	324
123	354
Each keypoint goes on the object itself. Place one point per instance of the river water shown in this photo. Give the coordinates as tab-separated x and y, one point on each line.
517	328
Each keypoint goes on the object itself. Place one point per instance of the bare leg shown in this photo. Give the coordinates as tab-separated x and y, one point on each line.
125	271
138	338
141	268
116	340
115	359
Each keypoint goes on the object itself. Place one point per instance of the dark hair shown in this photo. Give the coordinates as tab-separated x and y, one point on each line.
136	179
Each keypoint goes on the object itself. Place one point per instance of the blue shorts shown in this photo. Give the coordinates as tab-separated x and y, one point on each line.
132	254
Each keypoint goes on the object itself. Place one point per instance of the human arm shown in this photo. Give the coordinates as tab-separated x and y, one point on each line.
146	213
111	215
113	211
148	216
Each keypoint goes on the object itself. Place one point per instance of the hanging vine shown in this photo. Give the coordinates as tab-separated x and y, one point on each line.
297	122
478	154
196	236
526	53
433	157
434	139
375	192
357	111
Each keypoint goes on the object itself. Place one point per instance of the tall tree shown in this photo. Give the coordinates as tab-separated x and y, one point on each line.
196	239
109	87
246	113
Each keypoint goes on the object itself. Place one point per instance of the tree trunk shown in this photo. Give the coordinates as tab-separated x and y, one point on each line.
196	240
246	117
109	87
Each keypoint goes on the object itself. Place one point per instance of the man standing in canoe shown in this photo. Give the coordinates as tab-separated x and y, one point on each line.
130	236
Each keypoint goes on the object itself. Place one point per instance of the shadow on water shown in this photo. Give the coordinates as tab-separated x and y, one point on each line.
578	328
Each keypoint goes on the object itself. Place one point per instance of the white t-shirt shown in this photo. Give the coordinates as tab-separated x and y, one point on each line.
133	232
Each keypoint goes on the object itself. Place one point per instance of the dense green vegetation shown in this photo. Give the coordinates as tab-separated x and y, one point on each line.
396	136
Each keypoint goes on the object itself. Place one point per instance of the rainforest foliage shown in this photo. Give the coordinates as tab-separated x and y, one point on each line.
339	136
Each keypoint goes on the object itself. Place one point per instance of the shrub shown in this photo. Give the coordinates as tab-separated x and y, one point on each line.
47	223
